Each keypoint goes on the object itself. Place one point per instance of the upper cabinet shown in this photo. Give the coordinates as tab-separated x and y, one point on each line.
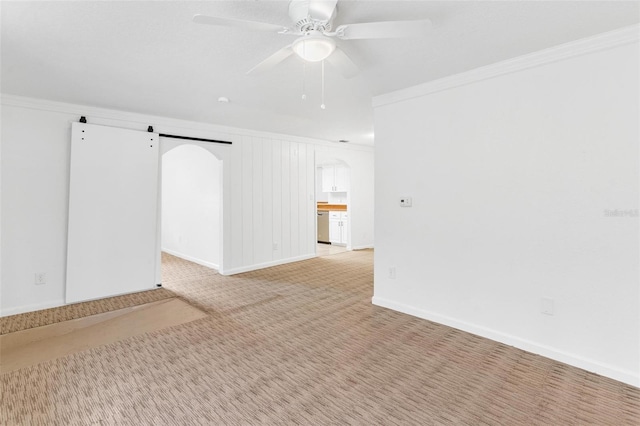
334	179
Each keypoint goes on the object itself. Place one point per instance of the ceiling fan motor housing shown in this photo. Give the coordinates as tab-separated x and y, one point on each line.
309	15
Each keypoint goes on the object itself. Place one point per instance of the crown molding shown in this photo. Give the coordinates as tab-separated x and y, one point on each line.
194	128
572	49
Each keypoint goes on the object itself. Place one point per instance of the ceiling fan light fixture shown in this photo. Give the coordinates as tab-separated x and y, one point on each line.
314	47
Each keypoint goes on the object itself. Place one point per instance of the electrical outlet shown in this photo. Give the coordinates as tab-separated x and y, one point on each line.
275	246
40	278
392	272
546	306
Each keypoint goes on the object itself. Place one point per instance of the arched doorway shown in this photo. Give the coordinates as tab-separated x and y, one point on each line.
191	205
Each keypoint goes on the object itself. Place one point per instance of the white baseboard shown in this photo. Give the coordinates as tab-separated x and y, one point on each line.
233	271
30	308
624	376
191	259
364	247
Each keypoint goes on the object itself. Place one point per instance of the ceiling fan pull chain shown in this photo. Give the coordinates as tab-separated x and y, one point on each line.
304	79
322	105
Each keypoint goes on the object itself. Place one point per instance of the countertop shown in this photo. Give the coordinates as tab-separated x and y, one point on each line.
323	206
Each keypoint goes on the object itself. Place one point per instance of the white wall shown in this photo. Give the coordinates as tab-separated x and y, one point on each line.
191	205
511	169
35	191
320	195
268	193
273	207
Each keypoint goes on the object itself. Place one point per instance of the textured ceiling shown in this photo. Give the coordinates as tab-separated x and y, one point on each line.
149	57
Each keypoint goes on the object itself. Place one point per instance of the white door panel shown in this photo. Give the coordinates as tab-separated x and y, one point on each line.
113	204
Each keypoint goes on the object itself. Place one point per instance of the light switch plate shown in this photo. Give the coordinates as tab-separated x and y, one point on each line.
405	201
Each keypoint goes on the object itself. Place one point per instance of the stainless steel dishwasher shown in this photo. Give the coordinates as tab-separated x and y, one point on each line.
323	227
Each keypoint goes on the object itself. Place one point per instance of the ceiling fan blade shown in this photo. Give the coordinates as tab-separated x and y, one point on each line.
272	60
389	29
306	11
343	63
239	23
322	8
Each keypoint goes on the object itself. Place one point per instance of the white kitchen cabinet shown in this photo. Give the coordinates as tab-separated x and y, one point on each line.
334	179
338	228
341	179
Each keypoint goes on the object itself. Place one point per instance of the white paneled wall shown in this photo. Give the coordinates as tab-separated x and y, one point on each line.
272	203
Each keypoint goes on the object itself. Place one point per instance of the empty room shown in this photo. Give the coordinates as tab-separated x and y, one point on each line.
320	212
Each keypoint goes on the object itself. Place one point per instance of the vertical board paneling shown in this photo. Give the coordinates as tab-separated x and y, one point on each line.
258	246
273	204
312	235
276	171
295	199
235	195
247	201
267	198
303	199
286	199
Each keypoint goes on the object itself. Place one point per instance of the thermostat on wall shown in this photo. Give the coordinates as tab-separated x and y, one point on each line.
405	201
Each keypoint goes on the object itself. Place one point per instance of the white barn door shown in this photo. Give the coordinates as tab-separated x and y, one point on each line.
113	205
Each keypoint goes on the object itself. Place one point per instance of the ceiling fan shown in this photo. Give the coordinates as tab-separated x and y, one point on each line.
313	25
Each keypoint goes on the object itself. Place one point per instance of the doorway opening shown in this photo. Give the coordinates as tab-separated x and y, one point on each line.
333	196
191	206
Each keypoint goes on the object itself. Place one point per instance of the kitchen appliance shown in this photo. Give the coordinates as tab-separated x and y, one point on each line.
323	227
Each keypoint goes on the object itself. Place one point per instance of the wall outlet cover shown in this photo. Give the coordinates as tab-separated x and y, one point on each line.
392	272
40	278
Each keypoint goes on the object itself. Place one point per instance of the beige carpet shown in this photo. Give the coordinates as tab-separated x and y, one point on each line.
19	322
302	344
33	346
